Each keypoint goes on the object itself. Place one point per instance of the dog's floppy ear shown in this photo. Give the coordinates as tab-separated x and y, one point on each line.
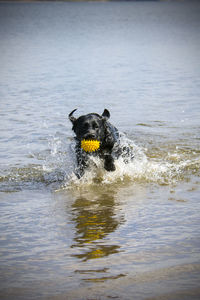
71	117
106	114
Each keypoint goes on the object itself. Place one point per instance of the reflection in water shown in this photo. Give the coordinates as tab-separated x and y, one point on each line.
94	220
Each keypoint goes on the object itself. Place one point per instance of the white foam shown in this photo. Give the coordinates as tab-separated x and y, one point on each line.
164	164
139	169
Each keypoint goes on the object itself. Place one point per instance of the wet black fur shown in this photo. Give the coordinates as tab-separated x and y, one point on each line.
94	126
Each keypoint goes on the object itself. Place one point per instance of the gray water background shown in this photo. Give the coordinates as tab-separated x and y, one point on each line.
134	232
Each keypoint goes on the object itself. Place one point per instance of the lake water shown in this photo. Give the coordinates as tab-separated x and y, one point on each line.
130	234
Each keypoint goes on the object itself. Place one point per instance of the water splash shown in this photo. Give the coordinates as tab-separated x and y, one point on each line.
55	166
161	167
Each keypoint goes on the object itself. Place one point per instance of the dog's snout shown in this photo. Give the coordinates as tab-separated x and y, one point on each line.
89	136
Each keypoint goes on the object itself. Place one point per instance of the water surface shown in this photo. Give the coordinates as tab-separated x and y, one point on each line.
134	232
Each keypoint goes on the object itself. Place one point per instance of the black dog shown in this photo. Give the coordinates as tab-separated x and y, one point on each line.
95	127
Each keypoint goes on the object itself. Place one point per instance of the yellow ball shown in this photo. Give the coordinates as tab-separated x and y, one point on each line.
90	145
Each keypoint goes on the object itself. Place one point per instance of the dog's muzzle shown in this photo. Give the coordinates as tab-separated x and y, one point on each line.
89	136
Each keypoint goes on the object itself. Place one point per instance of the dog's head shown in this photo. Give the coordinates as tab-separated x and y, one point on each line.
90	126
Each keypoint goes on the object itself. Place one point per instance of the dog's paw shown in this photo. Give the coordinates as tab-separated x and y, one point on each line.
110	168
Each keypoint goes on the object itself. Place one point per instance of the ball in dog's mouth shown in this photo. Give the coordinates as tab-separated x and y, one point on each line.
90	145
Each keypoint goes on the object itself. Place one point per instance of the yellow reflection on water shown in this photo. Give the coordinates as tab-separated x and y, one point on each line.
94	214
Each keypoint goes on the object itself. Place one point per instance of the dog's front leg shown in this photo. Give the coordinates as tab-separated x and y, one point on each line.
109	162
80	170
82	163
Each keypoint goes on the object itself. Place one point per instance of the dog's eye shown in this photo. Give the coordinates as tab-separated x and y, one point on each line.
86	125
94	125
